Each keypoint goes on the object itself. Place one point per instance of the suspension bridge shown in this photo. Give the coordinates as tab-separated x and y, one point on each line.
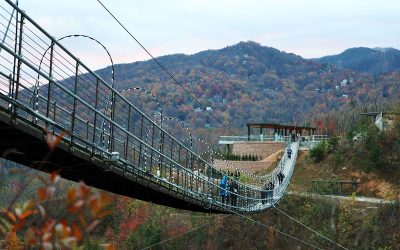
50	97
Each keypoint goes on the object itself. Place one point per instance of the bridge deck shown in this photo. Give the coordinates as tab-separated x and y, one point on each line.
77	165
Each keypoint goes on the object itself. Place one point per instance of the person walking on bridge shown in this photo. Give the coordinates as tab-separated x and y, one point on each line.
280	177
270	191
233	188
264	194
289	152
224	189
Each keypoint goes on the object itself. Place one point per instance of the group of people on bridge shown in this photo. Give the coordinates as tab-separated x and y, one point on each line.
267	193
229	188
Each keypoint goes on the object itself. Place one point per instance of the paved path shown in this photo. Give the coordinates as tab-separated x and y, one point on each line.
339	197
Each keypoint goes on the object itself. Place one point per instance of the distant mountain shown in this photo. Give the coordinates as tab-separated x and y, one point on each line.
249	82
373	61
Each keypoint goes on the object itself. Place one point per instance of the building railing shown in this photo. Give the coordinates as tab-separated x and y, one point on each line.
227	139
312	141
230	139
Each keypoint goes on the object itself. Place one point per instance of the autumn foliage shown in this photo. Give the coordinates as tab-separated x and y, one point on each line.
35	222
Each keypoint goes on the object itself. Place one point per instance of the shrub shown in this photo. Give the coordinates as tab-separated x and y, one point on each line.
333	143
337	159
34	219
373	159
317	153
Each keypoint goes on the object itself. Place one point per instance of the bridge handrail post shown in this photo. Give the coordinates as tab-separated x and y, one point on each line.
18	37
127	134
112	127
95	114
10	89
140	144
75	100
50	84
152	146
14	75
54	110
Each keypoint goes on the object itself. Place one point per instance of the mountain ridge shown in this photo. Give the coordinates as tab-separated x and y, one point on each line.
373	61
253	83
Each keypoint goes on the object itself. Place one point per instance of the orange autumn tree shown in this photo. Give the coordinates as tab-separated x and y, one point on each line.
84	210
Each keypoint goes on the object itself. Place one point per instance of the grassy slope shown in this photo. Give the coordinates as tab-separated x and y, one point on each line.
384	184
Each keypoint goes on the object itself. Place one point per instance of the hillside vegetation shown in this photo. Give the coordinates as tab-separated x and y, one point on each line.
241	83
364	154
372	61
249	82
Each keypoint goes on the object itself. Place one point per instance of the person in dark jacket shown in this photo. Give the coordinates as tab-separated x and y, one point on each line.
270	192
224	189
233	188
280	176
289	153
263	194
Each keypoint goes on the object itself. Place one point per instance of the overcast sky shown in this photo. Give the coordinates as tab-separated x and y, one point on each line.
309	28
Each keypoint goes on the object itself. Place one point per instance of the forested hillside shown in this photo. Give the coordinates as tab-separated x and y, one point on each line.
372	61
249	82
241	83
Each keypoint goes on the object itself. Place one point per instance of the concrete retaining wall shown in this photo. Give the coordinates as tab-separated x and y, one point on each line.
264	149
248	166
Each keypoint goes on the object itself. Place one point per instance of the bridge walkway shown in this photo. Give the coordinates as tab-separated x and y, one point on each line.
47	92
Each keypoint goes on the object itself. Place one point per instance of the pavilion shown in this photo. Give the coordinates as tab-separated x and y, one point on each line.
280	129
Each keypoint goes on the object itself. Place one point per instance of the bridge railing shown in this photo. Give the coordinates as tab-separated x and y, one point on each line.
278	192
45	84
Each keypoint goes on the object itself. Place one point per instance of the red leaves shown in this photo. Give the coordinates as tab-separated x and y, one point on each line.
98	204
92	226
76	232
83	190
48	225
9	215
85	210
52	140
110	247
30	237
54	178
62	230
71	195
47	193
25	211
42	194
18	226
26	214
76	206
